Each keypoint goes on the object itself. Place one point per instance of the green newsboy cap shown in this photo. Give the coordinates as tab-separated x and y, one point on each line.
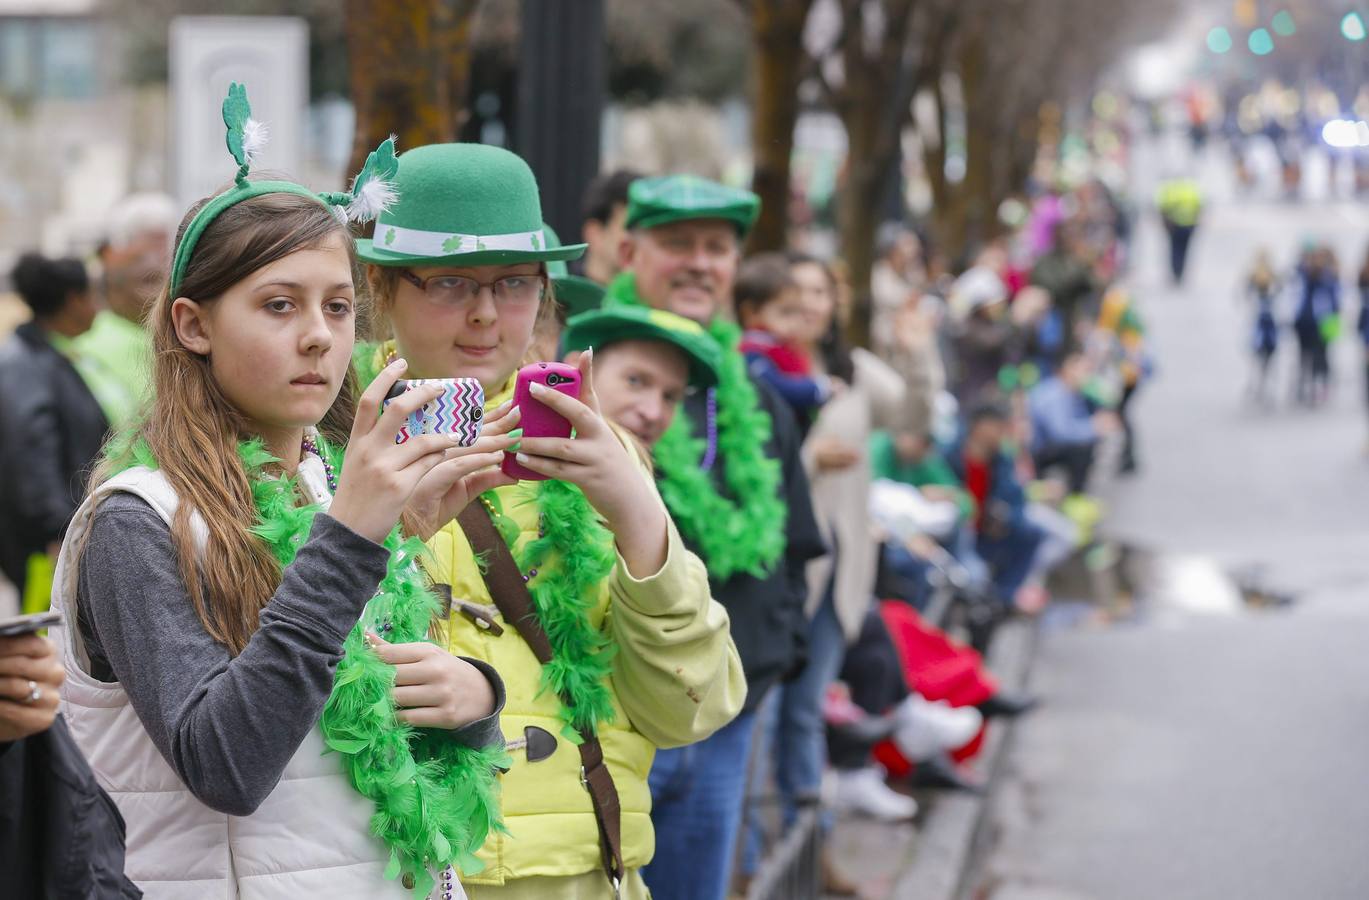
677	198
462	205
602	327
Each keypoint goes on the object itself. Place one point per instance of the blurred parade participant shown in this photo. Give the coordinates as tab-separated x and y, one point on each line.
1004	537
226	580
610	645
1066	428
773	314
604	209
1065	274
840	584
1262	291
989	335
1362	322
51	426
1316	322
116	353
1181	204
1120	324
730	473
895	275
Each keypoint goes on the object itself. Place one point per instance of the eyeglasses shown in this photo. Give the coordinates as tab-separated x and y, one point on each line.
511	291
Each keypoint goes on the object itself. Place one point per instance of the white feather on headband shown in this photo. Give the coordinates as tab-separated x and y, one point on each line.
372	199
373	190
254	137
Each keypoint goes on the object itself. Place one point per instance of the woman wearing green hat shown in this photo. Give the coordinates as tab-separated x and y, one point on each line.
220	582
634	653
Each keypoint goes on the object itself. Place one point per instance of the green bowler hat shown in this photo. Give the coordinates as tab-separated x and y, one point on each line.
574	292
676	198
462	205
602	327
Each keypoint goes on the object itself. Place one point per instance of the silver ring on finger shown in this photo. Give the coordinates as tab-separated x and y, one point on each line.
35	693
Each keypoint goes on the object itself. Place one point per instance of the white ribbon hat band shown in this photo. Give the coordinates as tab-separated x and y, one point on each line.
413	242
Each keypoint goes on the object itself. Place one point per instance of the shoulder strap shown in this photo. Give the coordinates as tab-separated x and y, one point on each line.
510	594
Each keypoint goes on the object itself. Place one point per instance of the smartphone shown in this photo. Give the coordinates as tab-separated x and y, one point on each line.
540	420
29	624
457	410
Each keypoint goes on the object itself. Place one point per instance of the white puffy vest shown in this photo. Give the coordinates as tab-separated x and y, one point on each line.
309	838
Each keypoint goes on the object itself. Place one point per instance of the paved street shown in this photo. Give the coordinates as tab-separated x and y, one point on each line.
1205	751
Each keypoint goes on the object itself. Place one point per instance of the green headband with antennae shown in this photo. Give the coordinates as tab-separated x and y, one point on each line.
372	190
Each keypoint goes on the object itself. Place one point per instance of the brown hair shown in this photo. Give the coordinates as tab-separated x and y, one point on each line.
192	429
761	279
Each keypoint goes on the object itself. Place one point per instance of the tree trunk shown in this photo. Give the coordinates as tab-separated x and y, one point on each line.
777	38
858	212
410	68
977	187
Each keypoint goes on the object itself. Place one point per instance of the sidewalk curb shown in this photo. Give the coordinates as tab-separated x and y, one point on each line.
955	832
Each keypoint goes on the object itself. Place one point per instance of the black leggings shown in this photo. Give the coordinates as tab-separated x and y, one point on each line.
874	674
1076	459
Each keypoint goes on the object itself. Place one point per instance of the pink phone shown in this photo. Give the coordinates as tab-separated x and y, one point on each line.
540	420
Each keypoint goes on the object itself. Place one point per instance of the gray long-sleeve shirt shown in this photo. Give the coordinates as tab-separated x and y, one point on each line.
228	725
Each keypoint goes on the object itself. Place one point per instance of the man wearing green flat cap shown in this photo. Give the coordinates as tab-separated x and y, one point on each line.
730	474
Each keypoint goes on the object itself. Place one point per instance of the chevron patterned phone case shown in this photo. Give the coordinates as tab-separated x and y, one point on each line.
458	410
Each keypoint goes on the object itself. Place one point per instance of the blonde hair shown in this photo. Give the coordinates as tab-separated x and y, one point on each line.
193	430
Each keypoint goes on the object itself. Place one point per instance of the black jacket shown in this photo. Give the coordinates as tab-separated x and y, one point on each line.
769	626
61	837
51	430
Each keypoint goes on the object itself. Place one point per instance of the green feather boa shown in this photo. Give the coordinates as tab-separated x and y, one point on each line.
572	555
436	800
733	536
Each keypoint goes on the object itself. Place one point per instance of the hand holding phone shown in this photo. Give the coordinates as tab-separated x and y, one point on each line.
599	463
31	677
457	410
539	420
29	624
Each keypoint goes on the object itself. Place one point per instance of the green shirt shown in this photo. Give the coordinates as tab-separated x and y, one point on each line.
115	359
932	469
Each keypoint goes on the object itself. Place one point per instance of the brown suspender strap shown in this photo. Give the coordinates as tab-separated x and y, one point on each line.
510	594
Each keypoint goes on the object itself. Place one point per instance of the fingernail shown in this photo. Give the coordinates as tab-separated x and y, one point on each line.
589	353
400	364
537	387
522	458
515	434
513	448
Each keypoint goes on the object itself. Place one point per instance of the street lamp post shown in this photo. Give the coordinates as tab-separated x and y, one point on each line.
561	102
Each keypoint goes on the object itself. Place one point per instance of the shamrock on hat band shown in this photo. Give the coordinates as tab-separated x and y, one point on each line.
372	190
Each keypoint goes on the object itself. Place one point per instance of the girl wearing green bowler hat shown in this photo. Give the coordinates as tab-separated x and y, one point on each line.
245	628
637	654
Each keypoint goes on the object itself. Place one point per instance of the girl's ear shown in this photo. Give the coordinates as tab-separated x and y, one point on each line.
191	324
